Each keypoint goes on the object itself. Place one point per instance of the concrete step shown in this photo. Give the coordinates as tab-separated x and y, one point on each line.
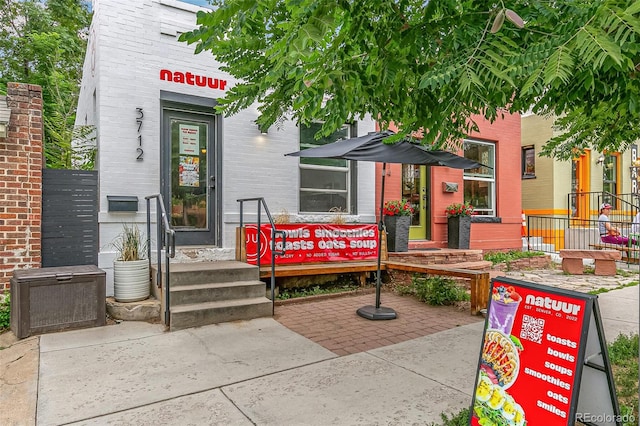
547	248
200	293
210	272
195	315
532	240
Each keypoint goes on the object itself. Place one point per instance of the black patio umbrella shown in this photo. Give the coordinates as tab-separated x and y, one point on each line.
371	147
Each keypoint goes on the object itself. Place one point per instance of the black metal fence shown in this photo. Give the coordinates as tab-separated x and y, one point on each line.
579	229
551	234
69	217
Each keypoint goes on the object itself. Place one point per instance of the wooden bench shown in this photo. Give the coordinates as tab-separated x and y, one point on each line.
480	280
605	260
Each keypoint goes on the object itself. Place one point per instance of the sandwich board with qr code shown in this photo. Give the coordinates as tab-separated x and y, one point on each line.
543	359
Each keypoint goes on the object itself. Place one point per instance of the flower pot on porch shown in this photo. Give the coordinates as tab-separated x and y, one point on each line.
397	232
458	232
131	281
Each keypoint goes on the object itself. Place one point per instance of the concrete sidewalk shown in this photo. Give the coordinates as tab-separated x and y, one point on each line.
253	373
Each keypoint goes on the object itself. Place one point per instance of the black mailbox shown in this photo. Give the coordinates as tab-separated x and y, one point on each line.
123	203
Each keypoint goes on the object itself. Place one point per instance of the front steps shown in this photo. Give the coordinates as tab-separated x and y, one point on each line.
203	293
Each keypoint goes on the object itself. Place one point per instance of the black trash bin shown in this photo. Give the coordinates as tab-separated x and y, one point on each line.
59	298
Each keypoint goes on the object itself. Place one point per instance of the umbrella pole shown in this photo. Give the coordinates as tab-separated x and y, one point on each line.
380	230
376	312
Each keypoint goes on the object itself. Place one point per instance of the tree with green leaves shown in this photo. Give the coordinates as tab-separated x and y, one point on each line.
43	43
433	65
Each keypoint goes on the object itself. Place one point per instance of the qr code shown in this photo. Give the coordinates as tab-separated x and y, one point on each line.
532	329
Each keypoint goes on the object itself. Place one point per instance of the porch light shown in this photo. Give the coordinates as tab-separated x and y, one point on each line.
600	160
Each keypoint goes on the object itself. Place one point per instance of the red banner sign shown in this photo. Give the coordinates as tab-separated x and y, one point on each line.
315	243
529	363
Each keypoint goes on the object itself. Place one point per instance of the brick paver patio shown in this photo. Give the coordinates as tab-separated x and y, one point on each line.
334	324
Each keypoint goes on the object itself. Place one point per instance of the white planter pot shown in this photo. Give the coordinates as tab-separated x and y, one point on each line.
131	281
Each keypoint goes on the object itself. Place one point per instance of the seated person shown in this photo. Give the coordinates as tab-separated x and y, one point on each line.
609	233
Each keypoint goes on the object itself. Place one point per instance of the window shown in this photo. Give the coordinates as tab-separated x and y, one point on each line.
528	162
575	188
201	3
480	183
325	183
610	177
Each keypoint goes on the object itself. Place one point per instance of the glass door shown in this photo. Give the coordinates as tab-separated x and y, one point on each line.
189	183
414	189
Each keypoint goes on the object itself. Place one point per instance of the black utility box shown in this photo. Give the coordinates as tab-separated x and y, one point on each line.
55	299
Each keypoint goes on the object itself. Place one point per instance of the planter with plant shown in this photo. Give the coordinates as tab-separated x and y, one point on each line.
131	277
459	225
397	220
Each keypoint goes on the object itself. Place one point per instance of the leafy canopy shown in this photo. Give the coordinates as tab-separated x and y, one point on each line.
433	64
43	43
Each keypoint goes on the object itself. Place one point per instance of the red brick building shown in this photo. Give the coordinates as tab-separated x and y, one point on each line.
494	192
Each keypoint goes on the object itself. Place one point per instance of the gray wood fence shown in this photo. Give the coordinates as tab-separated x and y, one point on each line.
69	217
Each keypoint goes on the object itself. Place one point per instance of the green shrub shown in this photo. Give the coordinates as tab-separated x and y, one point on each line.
499	256
406	290
459	419
624	348
5	312
293	293
438	290
623	353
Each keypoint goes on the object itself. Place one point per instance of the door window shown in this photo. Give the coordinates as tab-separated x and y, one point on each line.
189	174
610	178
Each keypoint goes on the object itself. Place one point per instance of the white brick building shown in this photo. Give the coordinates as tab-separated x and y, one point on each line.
138	113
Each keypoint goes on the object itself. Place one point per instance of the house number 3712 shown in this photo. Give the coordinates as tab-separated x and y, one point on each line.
139	117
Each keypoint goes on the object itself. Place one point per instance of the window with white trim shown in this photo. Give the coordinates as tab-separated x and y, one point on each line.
325	183
610	171
480	183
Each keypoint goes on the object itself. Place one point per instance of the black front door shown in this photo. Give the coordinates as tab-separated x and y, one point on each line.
190	173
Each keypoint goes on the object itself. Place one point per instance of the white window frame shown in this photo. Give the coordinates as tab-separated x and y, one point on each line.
347	170
477	175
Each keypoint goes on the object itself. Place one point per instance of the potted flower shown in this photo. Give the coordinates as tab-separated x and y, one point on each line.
397	220
131	278
459	225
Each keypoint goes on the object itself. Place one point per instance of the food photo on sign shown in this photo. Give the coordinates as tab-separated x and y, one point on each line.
529	356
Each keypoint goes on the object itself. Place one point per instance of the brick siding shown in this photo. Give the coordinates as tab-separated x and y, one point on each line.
21	163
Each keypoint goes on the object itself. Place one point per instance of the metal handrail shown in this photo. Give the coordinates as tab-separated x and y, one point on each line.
261	203
166	240
627	204
620	200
